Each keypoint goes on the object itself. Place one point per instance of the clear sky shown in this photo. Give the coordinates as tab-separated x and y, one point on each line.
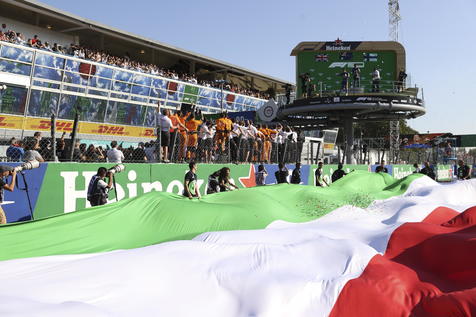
260	34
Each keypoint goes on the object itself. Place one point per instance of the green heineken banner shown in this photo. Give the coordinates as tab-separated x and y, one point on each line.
190	94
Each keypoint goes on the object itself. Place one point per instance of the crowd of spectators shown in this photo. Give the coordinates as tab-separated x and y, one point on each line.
125	62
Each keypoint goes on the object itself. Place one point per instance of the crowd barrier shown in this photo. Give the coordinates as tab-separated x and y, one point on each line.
56	188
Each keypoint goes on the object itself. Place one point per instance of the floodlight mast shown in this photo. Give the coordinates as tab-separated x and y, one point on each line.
394	19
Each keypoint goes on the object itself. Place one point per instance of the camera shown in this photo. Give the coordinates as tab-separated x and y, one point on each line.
27	166
117	169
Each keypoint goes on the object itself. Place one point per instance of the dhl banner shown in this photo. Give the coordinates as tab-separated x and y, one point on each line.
44	124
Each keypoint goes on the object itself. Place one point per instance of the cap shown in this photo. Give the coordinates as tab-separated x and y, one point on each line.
5	168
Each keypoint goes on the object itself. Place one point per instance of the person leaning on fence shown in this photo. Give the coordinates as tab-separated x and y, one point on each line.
205	142
165	127
98	189
260	176
192	126
296	174
190	189
6	171
381	168
183	132
281	174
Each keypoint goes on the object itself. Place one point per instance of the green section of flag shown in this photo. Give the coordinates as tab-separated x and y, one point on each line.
190	94
158	217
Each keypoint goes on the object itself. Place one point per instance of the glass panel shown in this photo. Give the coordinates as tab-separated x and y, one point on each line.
141	80
122	76
49	60
70	104
15	67
175	91
97	92
159	88
12	100
45	84
124	113
42	103
94	110
140	90
100	82
150	117
17	54
239	101
104	72
48	73
74	89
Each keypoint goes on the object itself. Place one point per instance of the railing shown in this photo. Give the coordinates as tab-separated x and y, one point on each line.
364	87
40	83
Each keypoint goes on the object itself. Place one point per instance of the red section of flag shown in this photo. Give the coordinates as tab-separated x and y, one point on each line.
87	70
428	269
172	87
230	98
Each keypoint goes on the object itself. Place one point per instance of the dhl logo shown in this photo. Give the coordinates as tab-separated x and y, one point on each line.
104	129
4	123
148	132
60	126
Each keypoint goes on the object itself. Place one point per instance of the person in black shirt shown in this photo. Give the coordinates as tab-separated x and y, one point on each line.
6	171
224	180
355	77
319	176
296	175
281	174
381	168
464	171
428	171
190	189
338	173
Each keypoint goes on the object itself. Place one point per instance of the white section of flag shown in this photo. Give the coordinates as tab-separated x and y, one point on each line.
284	270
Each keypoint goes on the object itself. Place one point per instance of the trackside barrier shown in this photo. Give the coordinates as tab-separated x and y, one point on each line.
56	188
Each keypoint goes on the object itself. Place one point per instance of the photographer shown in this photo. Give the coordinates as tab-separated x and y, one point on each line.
6	171
98	189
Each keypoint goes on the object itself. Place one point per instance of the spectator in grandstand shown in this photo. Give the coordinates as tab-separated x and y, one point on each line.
15	151
31	154
91	154
464	171
213	185
281	174
287	89
260	176
6	171
296	175
376	80
355	76
319	175
338	173
428	170
98	189
114	155
224	180
381	167
190	182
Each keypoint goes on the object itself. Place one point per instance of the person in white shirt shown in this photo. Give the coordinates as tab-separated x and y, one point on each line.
376	80
114	155
165	125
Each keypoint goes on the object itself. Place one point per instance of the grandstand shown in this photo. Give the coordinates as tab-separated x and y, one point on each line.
113	78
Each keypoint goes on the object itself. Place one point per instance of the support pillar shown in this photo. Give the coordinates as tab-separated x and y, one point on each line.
349	137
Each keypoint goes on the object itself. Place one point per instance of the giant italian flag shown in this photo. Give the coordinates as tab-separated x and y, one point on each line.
368	245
